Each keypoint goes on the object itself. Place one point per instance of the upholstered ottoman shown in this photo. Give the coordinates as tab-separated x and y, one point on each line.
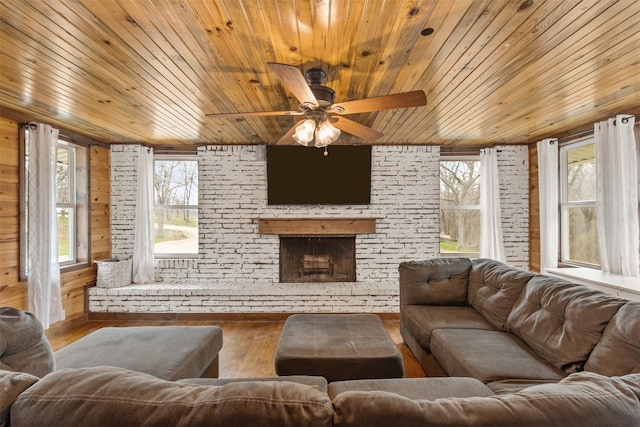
337	347
168	352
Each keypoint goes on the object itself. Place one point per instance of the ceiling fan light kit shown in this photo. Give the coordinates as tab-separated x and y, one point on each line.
316	103
304	132
326	133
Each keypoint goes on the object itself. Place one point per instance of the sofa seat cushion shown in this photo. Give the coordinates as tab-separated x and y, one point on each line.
421	320
493	289
169	352
438	281
489	356
12	384
618	351
415	388
108	396
23	345
581	400
515	385
561	321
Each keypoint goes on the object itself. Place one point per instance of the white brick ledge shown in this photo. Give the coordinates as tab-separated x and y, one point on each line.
336	297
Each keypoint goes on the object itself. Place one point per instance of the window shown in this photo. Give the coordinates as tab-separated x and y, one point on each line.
578	229
460	206
176	206
71	203
72	187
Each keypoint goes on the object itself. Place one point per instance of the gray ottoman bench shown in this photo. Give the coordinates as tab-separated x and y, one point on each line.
168	352
337	347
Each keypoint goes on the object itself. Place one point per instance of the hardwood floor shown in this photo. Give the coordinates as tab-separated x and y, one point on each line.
249	346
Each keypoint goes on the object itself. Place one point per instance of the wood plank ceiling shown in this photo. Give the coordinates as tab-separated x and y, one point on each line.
494	71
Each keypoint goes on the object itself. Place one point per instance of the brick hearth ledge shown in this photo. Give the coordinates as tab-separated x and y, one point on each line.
336	297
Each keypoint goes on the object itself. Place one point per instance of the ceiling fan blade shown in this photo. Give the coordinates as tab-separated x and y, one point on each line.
416	98
287	138
256	114
295	82
355	128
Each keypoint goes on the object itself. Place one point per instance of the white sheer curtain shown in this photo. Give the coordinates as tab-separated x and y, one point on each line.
43	280
617	196
491	243
143	271
548	199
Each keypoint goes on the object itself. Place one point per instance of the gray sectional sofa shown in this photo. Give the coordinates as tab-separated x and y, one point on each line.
522	350
510	328
109	396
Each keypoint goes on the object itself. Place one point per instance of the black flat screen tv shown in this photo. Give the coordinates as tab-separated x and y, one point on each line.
298	175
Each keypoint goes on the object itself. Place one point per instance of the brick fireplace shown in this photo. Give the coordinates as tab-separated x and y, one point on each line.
317	249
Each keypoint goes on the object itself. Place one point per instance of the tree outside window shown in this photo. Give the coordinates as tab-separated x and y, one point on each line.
176	206
460	206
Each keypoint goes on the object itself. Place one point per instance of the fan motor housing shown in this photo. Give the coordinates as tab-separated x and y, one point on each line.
323	94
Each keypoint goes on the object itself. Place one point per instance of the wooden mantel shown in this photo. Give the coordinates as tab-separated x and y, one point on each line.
316	226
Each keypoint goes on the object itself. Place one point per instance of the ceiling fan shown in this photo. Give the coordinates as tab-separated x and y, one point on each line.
323	120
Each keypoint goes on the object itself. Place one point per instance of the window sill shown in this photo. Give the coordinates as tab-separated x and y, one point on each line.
175	256
471	255
623	286
73	267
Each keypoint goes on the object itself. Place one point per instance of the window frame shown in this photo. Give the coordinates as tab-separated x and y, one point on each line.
177	158
564	204
454	158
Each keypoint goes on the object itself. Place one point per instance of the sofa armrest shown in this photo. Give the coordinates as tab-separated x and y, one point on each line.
438	281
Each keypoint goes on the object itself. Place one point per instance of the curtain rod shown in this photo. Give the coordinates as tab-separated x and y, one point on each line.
30	125
588	132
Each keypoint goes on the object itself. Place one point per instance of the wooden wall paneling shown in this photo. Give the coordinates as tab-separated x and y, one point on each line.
72	287
534	210
100	203
13	292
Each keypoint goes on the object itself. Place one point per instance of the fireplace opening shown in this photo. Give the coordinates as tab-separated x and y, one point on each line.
317	259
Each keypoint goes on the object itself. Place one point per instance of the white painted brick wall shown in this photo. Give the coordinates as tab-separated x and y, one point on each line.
513	167
240	266
124	183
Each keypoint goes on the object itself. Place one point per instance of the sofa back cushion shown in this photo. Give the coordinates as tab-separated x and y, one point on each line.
109	396
437	281
493	289
23	345
561	321
618	351
580	400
